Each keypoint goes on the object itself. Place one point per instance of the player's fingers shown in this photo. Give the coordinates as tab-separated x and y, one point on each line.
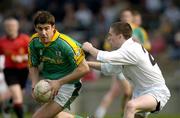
56	92
47	80
52	94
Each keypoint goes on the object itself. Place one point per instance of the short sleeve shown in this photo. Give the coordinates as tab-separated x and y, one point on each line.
33	56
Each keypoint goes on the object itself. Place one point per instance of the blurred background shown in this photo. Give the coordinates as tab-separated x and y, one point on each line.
89	20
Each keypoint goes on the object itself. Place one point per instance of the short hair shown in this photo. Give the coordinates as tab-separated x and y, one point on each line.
136	13
122	28
43	17
9	18
125	9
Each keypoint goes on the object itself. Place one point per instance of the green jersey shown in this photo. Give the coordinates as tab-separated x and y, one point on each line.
58	58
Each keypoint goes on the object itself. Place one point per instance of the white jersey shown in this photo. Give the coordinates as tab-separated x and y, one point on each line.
2	61
135	63
3	86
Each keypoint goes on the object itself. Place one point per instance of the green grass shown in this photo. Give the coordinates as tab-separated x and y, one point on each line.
164	116
117	116
153	116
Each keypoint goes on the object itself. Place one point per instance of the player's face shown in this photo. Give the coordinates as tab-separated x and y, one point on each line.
45	32
127	16
11	27
137	20
114	39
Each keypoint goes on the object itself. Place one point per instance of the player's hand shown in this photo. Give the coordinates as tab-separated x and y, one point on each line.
17	58
87	46
55	85
34	97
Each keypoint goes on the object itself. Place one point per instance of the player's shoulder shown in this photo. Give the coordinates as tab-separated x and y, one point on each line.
69	40
34	36
65	37
131	46
34	39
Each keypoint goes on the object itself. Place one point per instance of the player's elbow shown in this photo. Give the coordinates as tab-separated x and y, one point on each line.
85	69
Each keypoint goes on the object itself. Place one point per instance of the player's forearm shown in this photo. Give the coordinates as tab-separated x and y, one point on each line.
25	57
95	65
79	72
34	75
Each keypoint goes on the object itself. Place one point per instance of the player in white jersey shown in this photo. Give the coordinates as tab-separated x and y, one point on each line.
4	92
150	93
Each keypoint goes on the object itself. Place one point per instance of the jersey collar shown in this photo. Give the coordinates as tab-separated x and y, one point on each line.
55	36
128	41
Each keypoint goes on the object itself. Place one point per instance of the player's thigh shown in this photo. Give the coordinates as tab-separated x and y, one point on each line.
16	93
48	110
143	103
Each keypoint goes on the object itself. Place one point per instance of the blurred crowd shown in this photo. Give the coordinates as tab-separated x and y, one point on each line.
90	19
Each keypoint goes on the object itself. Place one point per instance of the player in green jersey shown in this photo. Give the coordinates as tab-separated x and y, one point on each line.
63	64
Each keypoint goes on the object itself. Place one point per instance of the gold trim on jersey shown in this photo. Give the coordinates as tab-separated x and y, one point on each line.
78	52
29	58
34	36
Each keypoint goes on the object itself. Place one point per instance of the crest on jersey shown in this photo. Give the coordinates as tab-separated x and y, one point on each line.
58	53
41	52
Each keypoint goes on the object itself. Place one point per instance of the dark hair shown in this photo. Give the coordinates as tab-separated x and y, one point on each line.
122	28
43	17
136	13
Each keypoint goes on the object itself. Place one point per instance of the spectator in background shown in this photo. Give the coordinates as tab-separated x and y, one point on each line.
134	19
69	22
14	46
84	15
139	32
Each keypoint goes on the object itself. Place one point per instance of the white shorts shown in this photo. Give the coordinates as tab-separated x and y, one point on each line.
160	93
3	85
67	94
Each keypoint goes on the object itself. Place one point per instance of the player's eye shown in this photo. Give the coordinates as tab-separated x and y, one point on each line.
46	28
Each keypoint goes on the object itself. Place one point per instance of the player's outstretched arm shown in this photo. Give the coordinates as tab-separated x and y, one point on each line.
88	47
94	65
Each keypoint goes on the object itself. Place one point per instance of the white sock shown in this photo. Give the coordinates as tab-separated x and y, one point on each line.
100	112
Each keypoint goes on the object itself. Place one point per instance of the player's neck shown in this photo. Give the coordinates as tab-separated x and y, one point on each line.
13	36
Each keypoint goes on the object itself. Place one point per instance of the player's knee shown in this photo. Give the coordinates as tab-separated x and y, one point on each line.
130	106
127	94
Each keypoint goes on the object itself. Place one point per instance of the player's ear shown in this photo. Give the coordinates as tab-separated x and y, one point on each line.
53	26
35	27
120	36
